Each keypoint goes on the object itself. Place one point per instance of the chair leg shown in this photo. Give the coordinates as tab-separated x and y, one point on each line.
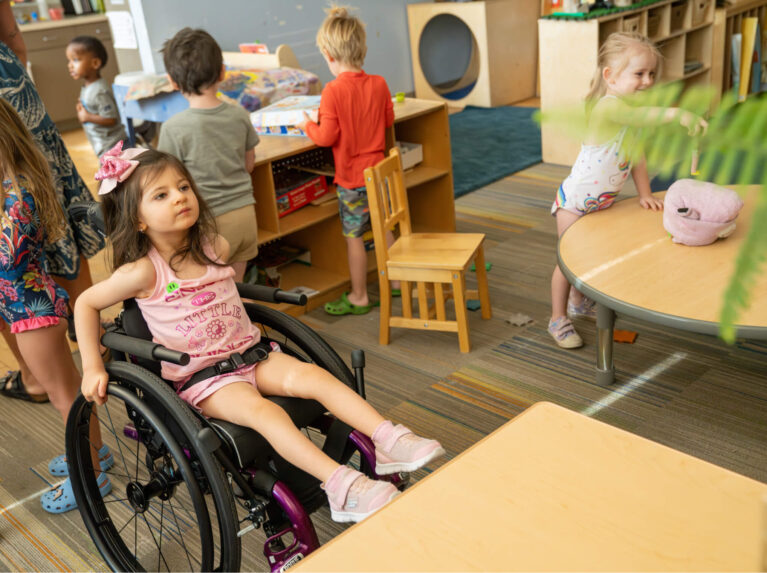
407	299
383	325
423	302
461	316
484	293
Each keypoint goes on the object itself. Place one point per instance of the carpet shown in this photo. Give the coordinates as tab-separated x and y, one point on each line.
491	143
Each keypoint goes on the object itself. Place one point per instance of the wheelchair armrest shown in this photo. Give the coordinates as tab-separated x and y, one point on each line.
270	294
89	213
143	348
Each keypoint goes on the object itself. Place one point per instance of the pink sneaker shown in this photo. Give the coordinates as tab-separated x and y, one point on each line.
353	496
400	450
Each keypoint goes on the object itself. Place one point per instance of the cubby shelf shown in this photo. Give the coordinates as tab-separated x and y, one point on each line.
682	29
318	228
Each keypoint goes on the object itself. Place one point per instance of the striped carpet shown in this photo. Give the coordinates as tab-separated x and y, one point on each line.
687	391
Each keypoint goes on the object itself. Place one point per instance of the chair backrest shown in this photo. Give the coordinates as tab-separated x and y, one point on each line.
387	199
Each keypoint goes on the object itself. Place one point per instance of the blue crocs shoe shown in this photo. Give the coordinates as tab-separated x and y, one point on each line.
61	498
58	465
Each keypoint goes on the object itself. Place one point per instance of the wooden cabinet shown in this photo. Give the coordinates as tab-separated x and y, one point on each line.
682	29
318	228
47	62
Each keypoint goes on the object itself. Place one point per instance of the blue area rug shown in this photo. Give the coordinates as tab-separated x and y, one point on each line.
491	143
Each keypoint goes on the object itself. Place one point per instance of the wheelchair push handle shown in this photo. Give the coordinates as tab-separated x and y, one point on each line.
270	294
143	348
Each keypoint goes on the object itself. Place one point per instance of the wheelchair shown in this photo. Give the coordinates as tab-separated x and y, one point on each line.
185	488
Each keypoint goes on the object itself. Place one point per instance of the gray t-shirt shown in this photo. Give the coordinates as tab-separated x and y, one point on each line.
97	98
212	144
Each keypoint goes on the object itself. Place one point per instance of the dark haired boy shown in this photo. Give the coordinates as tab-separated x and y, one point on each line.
216	141
96	108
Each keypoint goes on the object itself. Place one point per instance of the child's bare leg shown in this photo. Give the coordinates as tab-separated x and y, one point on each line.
47	353
390	242
31	385
75	287
358	271
242	404
560	287
284	375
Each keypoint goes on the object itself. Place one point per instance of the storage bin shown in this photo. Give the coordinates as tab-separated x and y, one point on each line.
653	25
699	9
678	13
411	154
632	24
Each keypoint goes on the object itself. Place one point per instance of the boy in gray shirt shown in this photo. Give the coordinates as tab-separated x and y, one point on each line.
97	108
215	141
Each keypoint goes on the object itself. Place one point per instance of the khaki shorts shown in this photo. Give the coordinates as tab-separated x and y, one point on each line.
240	229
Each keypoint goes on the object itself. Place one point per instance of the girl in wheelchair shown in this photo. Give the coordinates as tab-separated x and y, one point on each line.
168	257
32	304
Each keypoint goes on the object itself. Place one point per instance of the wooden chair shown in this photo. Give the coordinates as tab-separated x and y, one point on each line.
435	263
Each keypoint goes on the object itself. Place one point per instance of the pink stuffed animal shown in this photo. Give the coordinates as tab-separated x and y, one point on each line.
697	213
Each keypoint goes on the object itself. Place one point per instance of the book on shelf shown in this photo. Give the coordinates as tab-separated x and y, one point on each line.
756	66
748	38
735	51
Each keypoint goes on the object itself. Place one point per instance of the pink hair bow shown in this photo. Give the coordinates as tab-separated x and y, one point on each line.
116	166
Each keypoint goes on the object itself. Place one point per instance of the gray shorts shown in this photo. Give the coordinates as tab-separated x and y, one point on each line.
353	210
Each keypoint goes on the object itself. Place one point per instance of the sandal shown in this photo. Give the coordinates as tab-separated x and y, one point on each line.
61	498
343	306
12	386
58	465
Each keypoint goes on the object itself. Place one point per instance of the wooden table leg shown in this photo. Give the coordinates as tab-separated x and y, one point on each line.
605	325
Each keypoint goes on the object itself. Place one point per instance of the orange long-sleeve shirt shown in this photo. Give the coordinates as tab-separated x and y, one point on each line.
355	111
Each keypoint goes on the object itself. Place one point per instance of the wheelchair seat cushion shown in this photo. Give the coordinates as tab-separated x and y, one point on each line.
247	445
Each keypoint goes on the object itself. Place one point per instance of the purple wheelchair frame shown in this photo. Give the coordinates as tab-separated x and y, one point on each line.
301	527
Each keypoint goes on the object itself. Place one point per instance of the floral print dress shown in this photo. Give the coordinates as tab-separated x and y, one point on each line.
29	298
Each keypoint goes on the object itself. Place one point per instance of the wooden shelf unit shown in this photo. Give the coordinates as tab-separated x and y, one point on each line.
732	20
318	228
568	49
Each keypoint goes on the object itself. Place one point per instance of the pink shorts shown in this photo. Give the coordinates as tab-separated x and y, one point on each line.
198	392
206	388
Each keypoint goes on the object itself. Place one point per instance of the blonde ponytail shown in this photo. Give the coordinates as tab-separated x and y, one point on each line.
614	53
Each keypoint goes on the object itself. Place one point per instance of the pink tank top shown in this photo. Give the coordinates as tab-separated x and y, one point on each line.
204	317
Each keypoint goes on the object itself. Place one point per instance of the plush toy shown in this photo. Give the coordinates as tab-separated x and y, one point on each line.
698	213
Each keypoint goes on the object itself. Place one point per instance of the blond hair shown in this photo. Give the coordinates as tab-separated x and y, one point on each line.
614	54
342	37
20	156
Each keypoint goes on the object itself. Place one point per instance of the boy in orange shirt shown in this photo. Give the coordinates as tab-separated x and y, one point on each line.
355	111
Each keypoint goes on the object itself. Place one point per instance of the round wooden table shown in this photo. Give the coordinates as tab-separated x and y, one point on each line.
624	260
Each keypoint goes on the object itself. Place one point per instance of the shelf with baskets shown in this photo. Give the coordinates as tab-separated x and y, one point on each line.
683	30
317	227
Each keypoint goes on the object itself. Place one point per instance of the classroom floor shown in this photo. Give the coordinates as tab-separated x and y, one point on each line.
708	400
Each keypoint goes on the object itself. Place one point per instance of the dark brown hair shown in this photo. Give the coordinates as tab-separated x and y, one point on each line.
193	60
121	215
20	156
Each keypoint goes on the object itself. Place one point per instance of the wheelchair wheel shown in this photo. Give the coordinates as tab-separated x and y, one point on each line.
171	508
297	339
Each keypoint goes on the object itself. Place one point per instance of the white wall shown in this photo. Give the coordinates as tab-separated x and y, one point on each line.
292	22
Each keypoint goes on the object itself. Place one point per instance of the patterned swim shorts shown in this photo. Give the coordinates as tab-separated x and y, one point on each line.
354	211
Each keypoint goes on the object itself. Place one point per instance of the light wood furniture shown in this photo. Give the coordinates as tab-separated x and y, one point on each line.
318	228
733	15
428	261
568	49
47	62
623	258
553	490
504	50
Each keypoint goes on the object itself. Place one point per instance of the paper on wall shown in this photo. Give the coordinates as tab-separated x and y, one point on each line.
123	34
